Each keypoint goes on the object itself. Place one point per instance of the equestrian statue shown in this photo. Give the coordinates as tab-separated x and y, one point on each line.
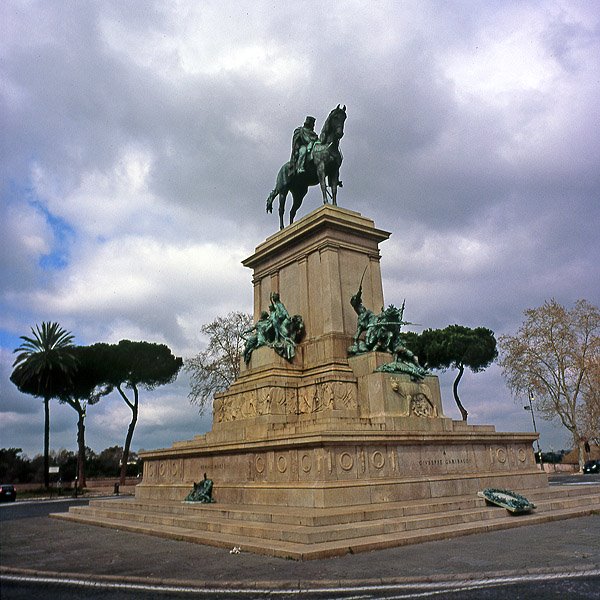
314	160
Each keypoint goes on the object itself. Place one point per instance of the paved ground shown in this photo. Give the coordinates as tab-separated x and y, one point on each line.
41	545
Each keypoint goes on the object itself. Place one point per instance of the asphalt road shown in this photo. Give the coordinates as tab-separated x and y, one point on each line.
27	509
46	558
572	479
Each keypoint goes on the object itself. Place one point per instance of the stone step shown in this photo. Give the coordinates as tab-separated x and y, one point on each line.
339	515
305	551
294	515
197	518
294	532
443	532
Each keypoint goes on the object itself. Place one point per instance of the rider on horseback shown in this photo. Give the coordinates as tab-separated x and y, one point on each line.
302	143
323	166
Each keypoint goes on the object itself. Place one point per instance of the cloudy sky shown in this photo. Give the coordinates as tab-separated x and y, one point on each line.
140	141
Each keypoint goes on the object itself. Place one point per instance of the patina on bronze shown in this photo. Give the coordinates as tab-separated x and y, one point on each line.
275	329
511	501
313	161
303	140
381	333
202	492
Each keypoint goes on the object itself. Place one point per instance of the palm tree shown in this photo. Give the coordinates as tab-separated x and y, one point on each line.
42	368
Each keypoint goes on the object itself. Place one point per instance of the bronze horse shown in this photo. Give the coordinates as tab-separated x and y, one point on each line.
324	162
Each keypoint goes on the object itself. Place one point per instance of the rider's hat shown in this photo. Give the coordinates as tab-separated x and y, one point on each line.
309	122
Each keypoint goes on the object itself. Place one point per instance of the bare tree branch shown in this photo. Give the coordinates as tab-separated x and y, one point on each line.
555	354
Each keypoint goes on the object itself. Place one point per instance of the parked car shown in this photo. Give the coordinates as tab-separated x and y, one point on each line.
7	493
592	466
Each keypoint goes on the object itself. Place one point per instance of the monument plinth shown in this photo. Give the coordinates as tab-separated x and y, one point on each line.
316	265
325	430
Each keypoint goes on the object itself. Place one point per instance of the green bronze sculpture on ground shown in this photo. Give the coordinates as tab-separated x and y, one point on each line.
202	492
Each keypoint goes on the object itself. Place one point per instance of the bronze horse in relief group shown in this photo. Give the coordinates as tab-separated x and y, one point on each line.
322	167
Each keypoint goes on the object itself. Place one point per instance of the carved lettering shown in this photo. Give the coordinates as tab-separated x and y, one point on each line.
306	463
446	460
259	464
393	460
346	461
501	455
377	459
282	464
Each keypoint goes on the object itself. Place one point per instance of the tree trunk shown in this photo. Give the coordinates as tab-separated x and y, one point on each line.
47	442
81	448
463	410
130	430
580	453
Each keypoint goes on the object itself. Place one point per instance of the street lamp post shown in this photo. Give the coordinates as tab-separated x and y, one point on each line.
530	408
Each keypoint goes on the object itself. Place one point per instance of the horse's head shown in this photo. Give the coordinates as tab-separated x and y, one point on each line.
333	128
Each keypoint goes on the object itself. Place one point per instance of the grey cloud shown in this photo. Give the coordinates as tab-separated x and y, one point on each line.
422	157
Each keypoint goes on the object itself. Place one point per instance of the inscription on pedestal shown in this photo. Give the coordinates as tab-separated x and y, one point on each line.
439	462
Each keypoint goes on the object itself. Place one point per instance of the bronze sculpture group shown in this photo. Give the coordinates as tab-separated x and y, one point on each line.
275	329
381	333
374	333
314	160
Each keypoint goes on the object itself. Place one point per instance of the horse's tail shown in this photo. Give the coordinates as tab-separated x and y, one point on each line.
282	184
270	199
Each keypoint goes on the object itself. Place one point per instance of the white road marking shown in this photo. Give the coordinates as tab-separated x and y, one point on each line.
403	590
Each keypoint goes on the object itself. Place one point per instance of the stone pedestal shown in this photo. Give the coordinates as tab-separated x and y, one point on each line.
326	430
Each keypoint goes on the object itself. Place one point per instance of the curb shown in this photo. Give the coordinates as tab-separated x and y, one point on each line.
308	585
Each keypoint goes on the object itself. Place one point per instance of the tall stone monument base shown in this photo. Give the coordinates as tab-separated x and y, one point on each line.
325	454
326	430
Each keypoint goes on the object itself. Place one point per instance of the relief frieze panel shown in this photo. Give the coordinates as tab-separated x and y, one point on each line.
277	400
345	395
167	471
415	398
328	395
